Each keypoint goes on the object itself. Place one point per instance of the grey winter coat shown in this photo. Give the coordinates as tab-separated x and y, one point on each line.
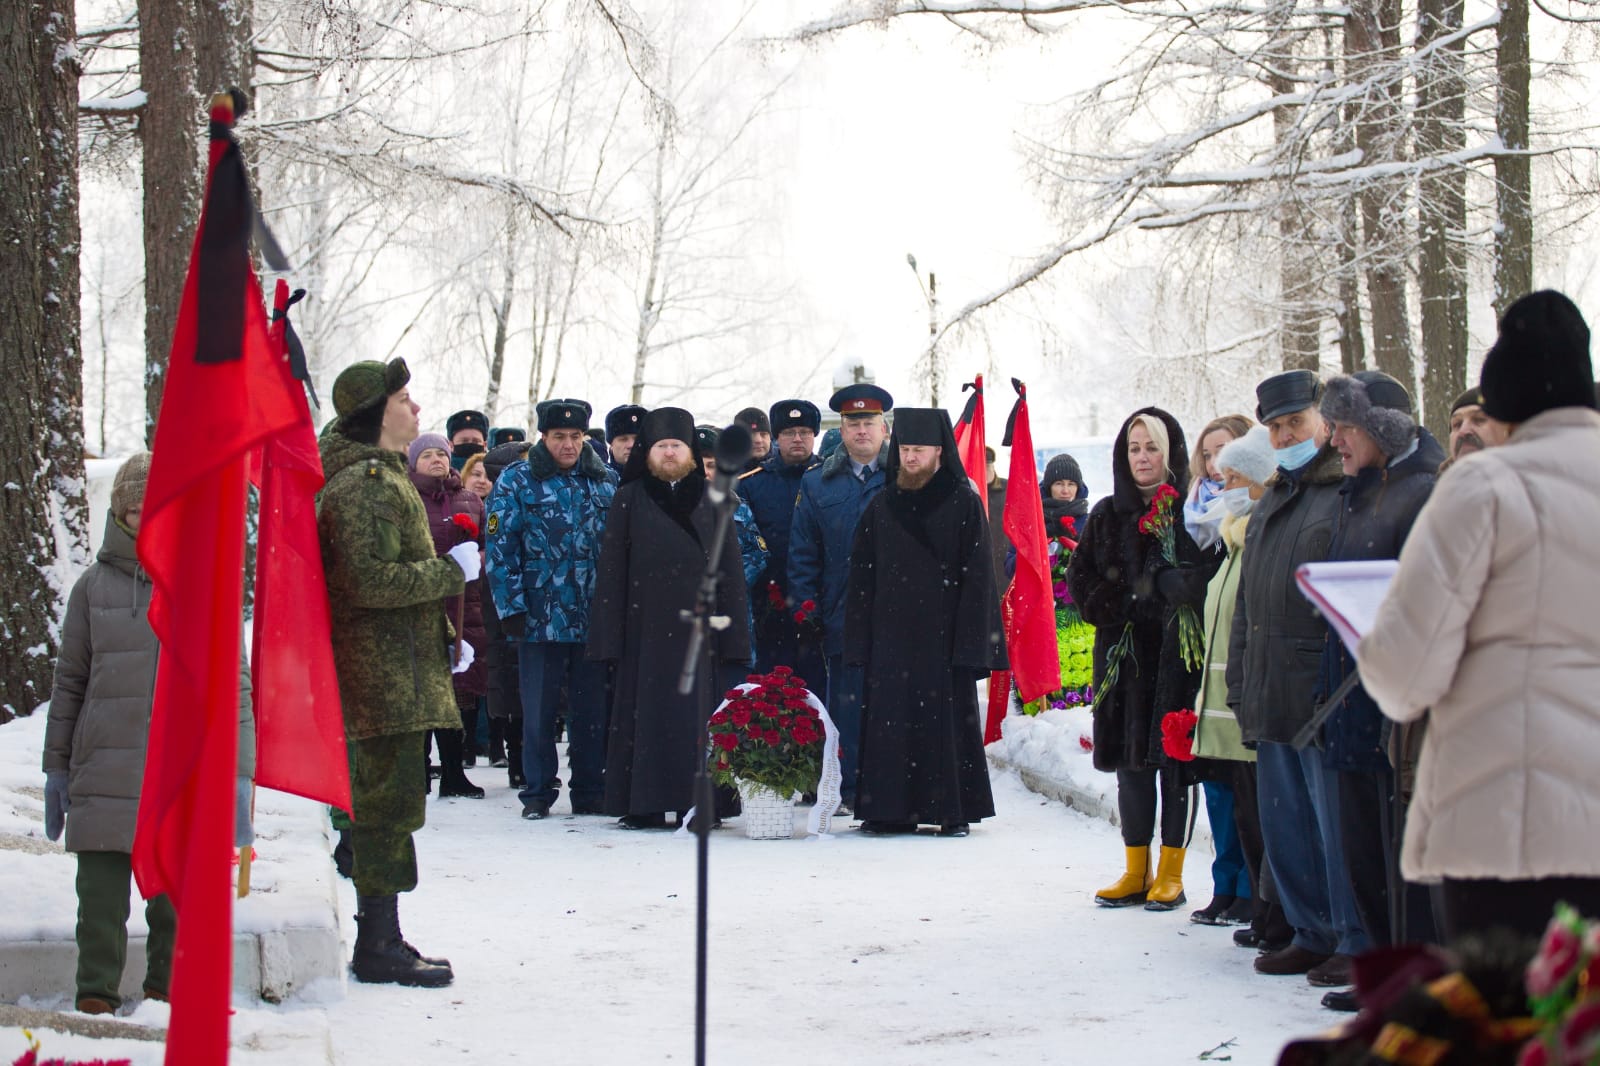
100	706
1275	652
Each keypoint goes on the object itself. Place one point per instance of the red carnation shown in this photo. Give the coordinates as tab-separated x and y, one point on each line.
803	735
754	679
799	618
772	738
1166	492
726	741
720	718
465	523
1085	743
741	716
785	722
809	605
784	671
774	594
1177	735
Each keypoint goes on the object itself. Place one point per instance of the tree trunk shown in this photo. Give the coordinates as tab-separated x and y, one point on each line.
1300	337
41	442
1442	214
1352	342
169	128
1513	238
1372	41
649	298
502	319
223	56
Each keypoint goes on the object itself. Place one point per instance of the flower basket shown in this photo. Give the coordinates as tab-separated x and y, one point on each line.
769	737
767	815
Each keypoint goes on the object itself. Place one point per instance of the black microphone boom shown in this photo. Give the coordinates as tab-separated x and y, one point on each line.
733	451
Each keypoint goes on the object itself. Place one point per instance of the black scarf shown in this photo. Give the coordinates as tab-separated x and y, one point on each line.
1055	510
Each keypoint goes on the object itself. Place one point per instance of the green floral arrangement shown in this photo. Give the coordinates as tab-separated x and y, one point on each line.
1074	639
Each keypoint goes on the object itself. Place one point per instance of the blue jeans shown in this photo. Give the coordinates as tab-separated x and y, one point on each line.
846	687
1229	876
1300	821
543	670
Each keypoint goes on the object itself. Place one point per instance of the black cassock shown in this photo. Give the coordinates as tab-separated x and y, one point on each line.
922	616
651	560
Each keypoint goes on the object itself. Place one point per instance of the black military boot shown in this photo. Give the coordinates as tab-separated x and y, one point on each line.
382	956
452	782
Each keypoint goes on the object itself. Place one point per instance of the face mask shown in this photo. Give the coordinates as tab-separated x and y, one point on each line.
1237	501
1297	455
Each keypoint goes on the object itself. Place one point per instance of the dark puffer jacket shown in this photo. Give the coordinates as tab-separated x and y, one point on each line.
1275	651
1118	576
1378	508
99	721
444	498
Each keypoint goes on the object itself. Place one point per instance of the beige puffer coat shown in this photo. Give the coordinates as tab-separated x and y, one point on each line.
100	707
1492	623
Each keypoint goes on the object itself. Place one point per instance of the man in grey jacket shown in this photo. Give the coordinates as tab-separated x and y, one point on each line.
94	751
1274	660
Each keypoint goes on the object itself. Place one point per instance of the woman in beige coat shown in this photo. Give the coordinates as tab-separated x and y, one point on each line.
1492	624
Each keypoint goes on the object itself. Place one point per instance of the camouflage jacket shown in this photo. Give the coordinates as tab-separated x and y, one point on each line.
545	526
391	643
753	551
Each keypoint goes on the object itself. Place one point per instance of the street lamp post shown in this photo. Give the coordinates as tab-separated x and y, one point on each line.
930	293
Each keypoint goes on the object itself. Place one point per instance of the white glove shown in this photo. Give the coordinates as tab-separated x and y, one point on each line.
466	557
465	660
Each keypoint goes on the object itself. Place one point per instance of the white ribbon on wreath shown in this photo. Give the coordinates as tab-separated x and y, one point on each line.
828	797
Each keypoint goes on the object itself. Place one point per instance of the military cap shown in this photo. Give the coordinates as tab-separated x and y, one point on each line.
621	421
506	434
367	383
787	414
855	400
754	419
563	414
466	420
1286	393
705	438
1473	397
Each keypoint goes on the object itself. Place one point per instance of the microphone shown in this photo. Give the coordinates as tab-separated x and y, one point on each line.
733	449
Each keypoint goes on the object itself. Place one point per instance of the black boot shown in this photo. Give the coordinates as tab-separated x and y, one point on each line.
344	856
382	956
452	782
514	753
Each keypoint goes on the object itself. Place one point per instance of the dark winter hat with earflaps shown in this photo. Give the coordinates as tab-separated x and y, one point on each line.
1377	403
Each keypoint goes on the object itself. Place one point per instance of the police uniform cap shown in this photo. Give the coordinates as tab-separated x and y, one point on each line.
506	435
754	419
466	420
624	420
563	414
786	414
854	400
368	383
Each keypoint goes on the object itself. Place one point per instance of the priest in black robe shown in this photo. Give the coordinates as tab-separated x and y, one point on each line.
922	618
658	532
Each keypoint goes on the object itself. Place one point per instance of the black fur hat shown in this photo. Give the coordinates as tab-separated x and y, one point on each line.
1540	361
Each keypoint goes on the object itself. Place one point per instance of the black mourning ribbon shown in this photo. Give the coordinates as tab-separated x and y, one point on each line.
297	350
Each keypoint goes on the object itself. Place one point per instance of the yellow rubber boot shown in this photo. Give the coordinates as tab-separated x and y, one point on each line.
1133	886
1167	892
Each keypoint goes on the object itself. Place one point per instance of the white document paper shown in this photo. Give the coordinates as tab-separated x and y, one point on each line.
1347	594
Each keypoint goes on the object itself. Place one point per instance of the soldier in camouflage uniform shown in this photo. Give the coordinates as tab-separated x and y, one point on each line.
547	515
391	648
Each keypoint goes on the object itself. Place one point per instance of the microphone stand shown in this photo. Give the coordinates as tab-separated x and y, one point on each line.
700	657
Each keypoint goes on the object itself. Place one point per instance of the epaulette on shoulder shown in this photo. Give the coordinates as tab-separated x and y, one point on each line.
373	467
750	473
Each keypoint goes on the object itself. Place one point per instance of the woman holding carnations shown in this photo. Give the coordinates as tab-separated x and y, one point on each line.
1139	579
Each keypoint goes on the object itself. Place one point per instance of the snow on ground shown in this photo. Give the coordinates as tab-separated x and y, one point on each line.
573	941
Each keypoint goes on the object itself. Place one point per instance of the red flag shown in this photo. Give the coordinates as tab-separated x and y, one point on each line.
970	442
214	412
300	743
1029	608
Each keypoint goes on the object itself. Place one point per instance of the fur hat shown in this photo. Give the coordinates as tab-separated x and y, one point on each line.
563	414
127	488
787	414
1540	361
1377	403
754	419
466	420
1250	456
422	444
621	421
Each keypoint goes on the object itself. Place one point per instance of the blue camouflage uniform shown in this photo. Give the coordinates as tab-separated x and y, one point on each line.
832	501
753	554
545	526
772	490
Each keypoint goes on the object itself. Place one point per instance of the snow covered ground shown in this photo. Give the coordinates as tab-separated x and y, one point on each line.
573	941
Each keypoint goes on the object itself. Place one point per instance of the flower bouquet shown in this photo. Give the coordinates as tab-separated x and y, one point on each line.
1177	734
1074	638
1159	523
1563	982
767	740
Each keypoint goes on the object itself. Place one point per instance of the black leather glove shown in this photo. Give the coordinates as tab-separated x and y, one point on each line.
515	626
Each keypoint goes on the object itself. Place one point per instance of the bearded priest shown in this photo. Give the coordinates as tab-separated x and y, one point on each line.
922	618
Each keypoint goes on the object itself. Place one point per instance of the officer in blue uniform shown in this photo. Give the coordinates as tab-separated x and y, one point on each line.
772	490
832	499
468	432
622	429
